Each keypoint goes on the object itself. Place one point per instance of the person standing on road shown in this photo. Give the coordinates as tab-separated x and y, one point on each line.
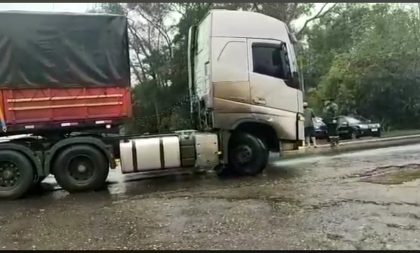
330	119
309	116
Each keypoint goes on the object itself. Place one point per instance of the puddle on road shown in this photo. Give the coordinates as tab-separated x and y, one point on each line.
392	174
120	185
138	184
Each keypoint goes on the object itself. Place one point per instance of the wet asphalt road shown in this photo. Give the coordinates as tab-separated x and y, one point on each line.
362	200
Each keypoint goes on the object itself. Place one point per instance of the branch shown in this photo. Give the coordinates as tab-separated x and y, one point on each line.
140	41
180	8
143	71
317	16
255	6
292	13
136	72
160	30
149	43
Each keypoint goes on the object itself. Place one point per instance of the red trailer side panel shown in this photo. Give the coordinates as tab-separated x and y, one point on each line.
44	107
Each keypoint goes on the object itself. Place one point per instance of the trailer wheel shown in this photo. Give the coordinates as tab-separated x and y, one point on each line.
248	155
37	183
81	168
16	174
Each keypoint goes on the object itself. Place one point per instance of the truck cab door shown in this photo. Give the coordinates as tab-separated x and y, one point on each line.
270	76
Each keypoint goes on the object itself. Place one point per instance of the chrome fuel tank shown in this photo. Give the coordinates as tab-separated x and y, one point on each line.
150	154
190	149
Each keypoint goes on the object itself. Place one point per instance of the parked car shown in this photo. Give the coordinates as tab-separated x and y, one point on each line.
321	131
353	127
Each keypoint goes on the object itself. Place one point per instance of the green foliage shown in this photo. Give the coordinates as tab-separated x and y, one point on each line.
367	59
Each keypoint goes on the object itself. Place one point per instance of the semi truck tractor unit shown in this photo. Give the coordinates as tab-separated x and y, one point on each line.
65	90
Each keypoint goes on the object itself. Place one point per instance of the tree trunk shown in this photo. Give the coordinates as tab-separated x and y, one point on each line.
157	115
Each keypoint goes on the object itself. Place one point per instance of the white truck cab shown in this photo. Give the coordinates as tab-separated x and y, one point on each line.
244	75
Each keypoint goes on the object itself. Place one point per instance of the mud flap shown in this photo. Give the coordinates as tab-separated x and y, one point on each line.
299	131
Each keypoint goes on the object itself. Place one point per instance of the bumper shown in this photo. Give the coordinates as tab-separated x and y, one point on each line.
370	132
321	132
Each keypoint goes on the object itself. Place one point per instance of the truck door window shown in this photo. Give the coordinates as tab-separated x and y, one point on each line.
268	59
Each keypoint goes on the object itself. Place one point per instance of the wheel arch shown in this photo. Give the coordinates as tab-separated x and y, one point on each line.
261	129
52	153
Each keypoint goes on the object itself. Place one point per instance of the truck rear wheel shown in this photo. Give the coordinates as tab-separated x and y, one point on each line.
36	185
81	168
16	174
248	155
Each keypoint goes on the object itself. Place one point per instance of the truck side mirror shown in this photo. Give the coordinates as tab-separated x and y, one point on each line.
285	61
295	80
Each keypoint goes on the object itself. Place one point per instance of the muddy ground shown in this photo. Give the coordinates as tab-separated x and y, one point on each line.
364	200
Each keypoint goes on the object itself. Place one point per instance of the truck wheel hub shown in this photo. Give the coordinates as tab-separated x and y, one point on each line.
9	174
81	168
244	154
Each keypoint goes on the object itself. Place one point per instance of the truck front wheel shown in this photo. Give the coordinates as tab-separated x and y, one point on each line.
16	174
81	168
248	155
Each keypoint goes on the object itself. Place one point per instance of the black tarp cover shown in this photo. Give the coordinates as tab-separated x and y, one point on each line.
40	49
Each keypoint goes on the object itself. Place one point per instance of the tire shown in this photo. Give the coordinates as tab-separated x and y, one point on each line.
377	134
81	168
266	145
16	174
353	135
248	155
37	183
223	171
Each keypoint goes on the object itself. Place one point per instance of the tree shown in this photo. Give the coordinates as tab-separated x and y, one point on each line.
375	71
151	54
